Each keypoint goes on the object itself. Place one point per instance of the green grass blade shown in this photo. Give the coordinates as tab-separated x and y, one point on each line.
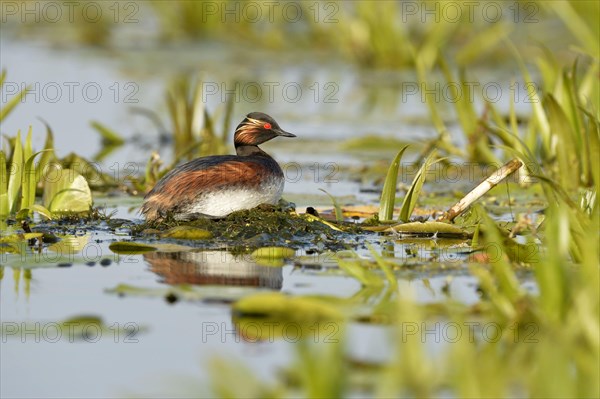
410	200
47	156
28	147
508	283
339	215
539	117
227	118
576	24
552	276
422	75
4	207
109	136
388	194
475	239
594	147
512	113
12	103
16	170
29	181
25	177
482	43
566	154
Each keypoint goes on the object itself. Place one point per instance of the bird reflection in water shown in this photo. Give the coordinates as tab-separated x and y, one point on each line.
213	268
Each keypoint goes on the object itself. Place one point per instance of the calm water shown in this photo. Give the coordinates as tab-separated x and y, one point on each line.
148	346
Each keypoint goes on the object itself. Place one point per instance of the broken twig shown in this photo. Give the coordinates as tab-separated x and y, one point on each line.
492	181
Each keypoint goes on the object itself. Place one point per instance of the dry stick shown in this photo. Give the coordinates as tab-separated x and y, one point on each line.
492	181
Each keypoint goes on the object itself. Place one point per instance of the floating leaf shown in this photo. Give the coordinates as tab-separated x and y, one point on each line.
187	233
274	252
130	248
425	228
272	256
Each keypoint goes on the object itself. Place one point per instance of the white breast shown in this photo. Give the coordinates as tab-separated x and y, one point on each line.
223	202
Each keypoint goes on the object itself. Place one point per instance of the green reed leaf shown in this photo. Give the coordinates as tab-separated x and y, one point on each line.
15	171
388	194
410	200
339	215
12	103
29	181
4	206
109	136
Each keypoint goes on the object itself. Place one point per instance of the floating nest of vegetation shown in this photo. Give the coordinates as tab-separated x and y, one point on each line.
265	225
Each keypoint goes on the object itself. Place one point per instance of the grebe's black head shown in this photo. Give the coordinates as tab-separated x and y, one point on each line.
257	128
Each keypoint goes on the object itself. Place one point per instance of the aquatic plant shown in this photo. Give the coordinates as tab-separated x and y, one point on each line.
388	194
193	127
13	102
65	191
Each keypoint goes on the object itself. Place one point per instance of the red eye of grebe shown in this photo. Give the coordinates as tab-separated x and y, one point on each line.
267	126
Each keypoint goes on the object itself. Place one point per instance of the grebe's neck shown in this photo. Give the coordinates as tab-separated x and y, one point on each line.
247	150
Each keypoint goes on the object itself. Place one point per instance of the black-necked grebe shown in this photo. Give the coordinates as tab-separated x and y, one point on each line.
215	186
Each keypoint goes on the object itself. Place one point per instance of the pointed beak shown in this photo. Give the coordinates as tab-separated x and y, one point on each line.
283	133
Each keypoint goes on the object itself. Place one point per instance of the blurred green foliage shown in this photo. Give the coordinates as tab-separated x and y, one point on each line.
369	33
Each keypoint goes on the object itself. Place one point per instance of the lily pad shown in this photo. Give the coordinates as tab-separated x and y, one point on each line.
272	256
130	248
187	233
